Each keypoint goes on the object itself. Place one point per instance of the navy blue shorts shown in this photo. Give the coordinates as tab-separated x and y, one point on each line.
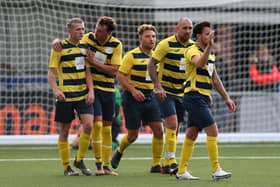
65	111
104	104
137	113
173	105
199	111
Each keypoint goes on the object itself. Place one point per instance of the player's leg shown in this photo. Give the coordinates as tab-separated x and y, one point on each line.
157	145
108	112
170	143
186	154
86	116
64	149
64	121
96	144
212	148
96	134
132	112
206	120
126	140
181	113
192	105
152	116
168	111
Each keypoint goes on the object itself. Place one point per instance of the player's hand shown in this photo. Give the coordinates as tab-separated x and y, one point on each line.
231	105
211	38
59	95
90	98
138	95
160	93
211	102
57	45
89	56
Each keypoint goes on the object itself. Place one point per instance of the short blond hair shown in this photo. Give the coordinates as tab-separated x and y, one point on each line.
145	27
71	21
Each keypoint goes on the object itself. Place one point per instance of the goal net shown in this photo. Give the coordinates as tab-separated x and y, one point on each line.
242	27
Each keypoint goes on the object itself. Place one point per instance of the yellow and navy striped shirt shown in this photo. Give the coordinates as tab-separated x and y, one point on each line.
70	64
108	53
171	70
134	65
199	79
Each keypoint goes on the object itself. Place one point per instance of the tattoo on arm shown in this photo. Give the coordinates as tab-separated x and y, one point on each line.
152	70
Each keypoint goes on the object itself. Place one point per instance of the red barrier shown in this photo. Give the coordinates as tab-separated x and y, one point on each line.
37	125
34	120
14	112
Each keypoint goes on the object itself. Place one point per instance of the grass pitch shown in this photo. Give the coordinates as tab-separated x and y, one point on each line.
252	165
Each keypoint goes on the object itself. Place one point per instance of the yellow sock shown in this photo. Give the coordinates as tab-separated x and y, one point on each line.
186	154
123	144
170	147
96	137
157	150
83	145
106	145
212	148
173	160
64	153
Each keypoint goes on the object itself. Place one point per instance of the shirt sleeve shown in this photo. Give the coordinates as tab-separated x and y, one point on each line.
191	52
54	59
160	51
127	64
117	55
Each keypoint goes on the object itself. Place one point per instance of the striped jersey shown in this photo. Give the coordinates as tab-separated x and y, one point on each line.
108	53
70	65
134	65
171	70
199	79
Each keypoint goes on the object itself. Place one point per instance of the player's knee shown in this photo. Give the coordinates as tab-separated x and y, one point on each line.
87	128
172	126
171	122
192	135
63	135
158	133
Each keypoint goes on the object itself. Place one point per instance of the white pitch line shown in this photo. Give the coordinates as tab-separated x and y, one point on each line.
28	148
145	147
144	158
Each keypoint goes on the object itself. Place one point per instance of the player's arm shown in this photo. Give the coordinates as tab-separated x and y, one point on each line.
52	73
137	94
110	69
105	68
157	56
152	68
57	44
160	52
219	87
122	77
90	95
201	61
59	95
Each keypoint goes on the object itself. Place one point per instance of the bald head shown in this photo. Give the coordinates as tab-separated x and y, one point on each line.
183	20
184	30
